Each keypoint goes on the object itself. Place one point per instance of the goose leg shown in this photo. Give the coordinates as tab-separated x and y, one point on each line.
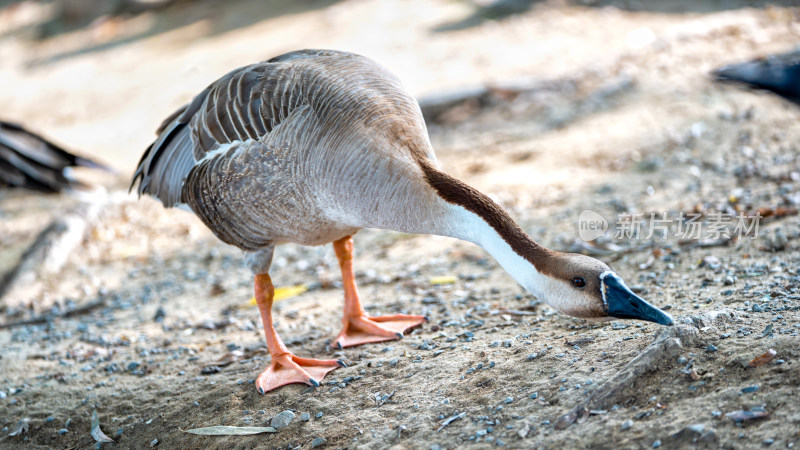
357	327
285	368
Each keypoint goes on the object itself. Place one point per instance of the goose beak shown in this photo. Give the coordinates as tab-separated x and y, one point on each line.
622	303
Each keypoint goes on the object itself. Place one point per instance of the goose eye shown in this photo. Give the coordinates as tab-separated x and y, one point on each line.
578	282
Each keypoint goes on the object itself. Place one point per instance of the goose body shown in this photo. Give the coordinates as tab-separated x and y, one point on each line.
311	146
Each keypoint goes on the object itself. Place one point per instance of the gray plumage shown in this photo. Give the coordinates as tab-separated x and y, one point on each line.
307	147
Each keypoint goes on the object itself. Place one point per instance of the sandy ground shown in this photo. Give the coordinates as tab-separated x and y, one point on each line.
618	117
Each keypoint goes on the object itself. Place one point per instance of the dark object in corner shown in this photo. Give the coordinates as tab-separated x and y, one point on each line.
32	162
779	74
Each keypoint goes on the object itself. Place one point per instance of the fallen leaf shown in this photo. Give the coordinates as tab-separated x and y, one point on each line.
97	433
768	356
224	430
284	292
22	427
447	279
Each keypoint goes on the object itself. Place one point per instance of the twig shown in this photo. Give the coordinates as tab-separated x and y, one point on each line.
451	419
667	344
386	398
49	317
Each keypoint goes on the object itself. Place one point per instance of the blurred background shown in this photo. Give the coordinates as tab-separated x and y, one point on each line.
551	107
100	75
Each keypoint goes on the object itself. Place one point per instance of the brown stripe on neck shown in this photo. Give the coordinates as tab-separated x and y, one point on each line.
458	193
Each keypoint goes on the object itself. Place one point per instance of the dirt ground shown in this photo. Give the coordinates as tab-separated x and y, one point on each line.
142	315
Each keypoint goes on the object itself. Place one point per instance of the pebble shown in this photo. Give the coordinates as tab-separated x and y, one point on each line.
282	419
657	443
319	415
133	366
508	400
626	425
318	442
63	431
749	389
769	441
153	443
305	417
711	348
756	307
535	395
682	360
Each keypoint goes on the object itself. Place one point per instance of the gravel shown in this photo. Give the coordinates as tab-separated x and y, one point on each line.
282	419
318	442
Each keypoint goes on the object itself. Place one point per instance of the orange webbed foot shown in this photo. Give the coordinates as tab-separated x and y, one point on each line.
363	329
288	368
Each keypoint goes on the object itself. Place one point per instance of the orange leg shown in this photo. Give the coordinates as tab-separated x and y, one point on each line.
357	327
285	368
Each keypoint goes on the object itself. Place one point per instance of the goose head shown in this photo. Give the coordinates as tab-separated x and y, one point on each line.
582	286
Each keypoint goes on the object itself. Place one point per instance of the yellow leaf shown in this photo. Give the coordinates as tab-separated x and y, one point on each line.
284	292
447	279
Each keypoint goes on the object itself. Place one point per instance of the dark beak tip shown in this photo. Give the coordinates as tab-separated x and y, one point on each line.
667	320
624	304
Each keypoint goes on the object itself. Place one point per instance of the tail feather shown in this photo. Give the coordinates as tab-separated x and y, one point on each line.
30	161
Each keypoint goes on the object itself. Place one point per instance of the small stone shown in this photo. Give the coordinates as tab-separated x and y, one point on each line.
698	428
769	441
318	442
508	400
159	315
534	396
626	425
711	348
305	417
657	443
153	443
282	419
749	389
133	366
682	360
756	308
319	415
507	343
50	418
63	431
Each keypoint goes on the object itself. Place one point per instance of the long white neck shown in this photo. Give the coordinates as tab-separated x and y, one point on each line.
468	226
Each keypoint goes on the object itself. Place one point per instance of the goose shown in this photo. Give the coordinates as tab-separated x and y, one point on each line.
28	160
310	147
779	74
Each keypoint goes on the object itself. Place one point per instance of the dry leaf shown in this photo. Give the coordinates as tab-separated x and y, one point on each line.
22	427
97	433
284	292
447	279
768	356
